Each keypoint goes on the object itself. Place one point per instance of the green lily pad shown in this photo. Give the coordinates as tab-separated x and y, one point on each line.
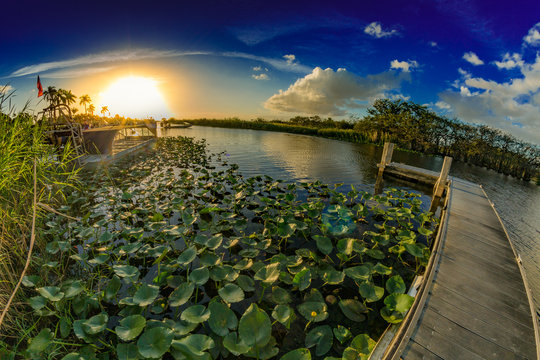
375	253
321	337
332	276
324	244
313	311
414	250
222	318
345	246
382	269
112	288
399	302
193	346
130	327
302	279
72	289
182	294
371	292
127	352
280	295
396	285
268	274
342	333
235	344
246	283
210	259
284	314
200	276
195	314
95	324
358	272
187	256
37	302
353	309
30	280
128	272
51	293
360	348
155	342
297	354
231	293
145	295
255	327
39	343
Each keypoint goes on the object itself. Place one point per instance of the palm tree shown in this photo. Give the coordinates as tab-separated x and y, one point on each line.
66	96
51	95
105	109
83	100
74	110
91	109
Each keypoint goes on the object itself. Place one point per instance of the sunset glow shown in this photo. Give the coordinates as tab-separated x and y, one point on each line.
134	96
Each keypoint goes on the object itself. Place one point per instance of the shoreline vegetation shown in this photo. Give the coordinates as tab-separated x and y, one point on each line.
176	253
411	127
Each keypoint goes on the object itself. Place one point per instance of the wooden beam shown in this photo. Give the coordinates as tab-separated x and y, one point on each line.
440	185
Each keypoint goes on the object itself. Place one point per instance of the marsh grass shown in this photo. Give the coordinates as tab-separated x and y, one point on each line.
22	141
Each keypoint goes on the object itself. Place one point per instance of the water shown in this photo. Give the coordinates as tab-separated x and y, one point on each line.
294	157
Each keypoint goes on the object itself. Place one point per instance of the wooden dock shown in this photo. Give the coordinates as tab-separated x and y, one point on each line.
474	301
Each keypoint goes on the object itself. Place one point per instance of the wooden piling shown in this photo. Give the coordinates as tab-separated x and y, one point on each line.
386	158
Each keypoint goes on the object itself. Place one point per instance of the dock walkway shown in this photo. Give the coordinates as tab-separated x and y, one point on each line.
475	302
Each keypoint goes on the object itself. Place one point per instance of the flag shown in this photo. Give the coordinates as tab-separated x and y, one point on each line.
39	87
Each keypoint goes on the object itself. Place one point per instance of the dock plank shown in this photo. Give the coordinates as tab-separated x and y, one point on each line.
477	305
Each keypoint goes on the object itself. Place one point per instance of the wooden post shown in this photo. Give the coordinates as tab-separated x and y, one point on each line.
386	158
440	185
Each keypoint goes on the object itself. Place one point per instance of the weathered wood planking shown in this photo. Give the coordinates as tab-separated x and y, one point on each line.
476	305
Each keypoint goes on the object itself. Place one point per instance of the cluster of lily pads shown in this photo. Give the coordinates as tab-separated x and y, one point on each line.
178	256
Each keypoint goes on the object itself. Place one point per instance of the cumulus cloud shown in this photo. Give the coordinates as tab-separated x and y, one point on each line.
433	43
473	58
512	106
280	64
375	29
509	61
260	77
533	36
329	92
403	65
4	89
443	105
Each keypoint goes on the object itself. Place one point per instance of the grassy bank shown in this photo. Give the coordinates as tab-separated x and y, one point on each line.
21	145
177	255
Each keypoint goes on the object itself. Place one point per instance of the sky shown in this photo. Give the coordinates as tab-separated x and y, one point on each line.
478	61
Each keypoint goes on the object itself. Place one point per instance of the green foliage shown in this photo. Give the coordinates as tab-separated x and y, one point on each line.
198	284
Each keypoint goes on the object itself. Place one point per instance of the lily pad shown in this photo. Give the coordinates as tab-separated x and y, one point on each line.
222	318
155	342
182	294
395	285
130	327
371	292
353	309
324	244
195	314
255	327
95	324
268	274
126	352
51	293
145	295
297	354
200	276
321	337
231	293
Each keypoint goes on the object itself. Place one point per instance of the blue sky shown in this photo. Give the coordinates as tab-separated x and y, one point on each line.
475	60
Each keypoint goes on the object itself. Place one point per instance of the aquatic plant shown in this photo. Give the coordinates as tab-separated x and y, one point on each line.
178	255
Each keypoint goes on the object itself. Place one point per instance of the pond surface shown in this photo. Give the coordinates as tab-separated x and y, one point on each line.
293	157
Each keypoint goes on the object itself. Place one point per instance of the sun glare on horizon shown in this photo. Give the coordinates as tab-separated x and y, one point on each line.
135	97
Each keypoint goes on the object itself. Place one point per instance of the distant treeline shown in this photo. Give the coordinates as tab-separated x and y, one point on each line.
413	127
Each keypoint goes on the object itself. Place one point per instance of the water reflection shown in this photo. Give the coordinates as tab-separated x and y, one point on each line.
294	157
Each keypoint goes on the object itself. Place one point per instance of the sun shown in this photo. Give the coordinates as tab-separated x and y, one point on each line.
135	97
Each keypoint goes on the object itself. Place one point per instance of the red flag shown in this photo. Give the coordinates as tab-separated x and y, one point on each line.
39	87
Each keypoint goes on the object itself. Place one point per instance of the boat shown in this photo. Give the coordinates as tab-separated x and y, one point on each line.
182	125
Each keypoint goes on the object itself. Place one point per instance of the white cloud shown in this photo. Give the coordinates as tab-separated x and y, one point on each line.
399	97
512	106
403	65
473	58
533	36
260	77
75	73
433	43
375	29
79	64
442	105
509	61
106	57
329	92
257	68
290	58
464	73
280	64
5	89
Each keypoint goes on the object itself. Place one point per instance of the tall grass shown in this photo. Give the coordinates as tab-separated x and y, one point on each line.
21	141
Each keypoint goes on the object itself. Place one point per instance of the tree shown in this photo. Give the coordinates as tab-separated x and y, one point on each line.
51	95
91	109
84	100
105	109
66	97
